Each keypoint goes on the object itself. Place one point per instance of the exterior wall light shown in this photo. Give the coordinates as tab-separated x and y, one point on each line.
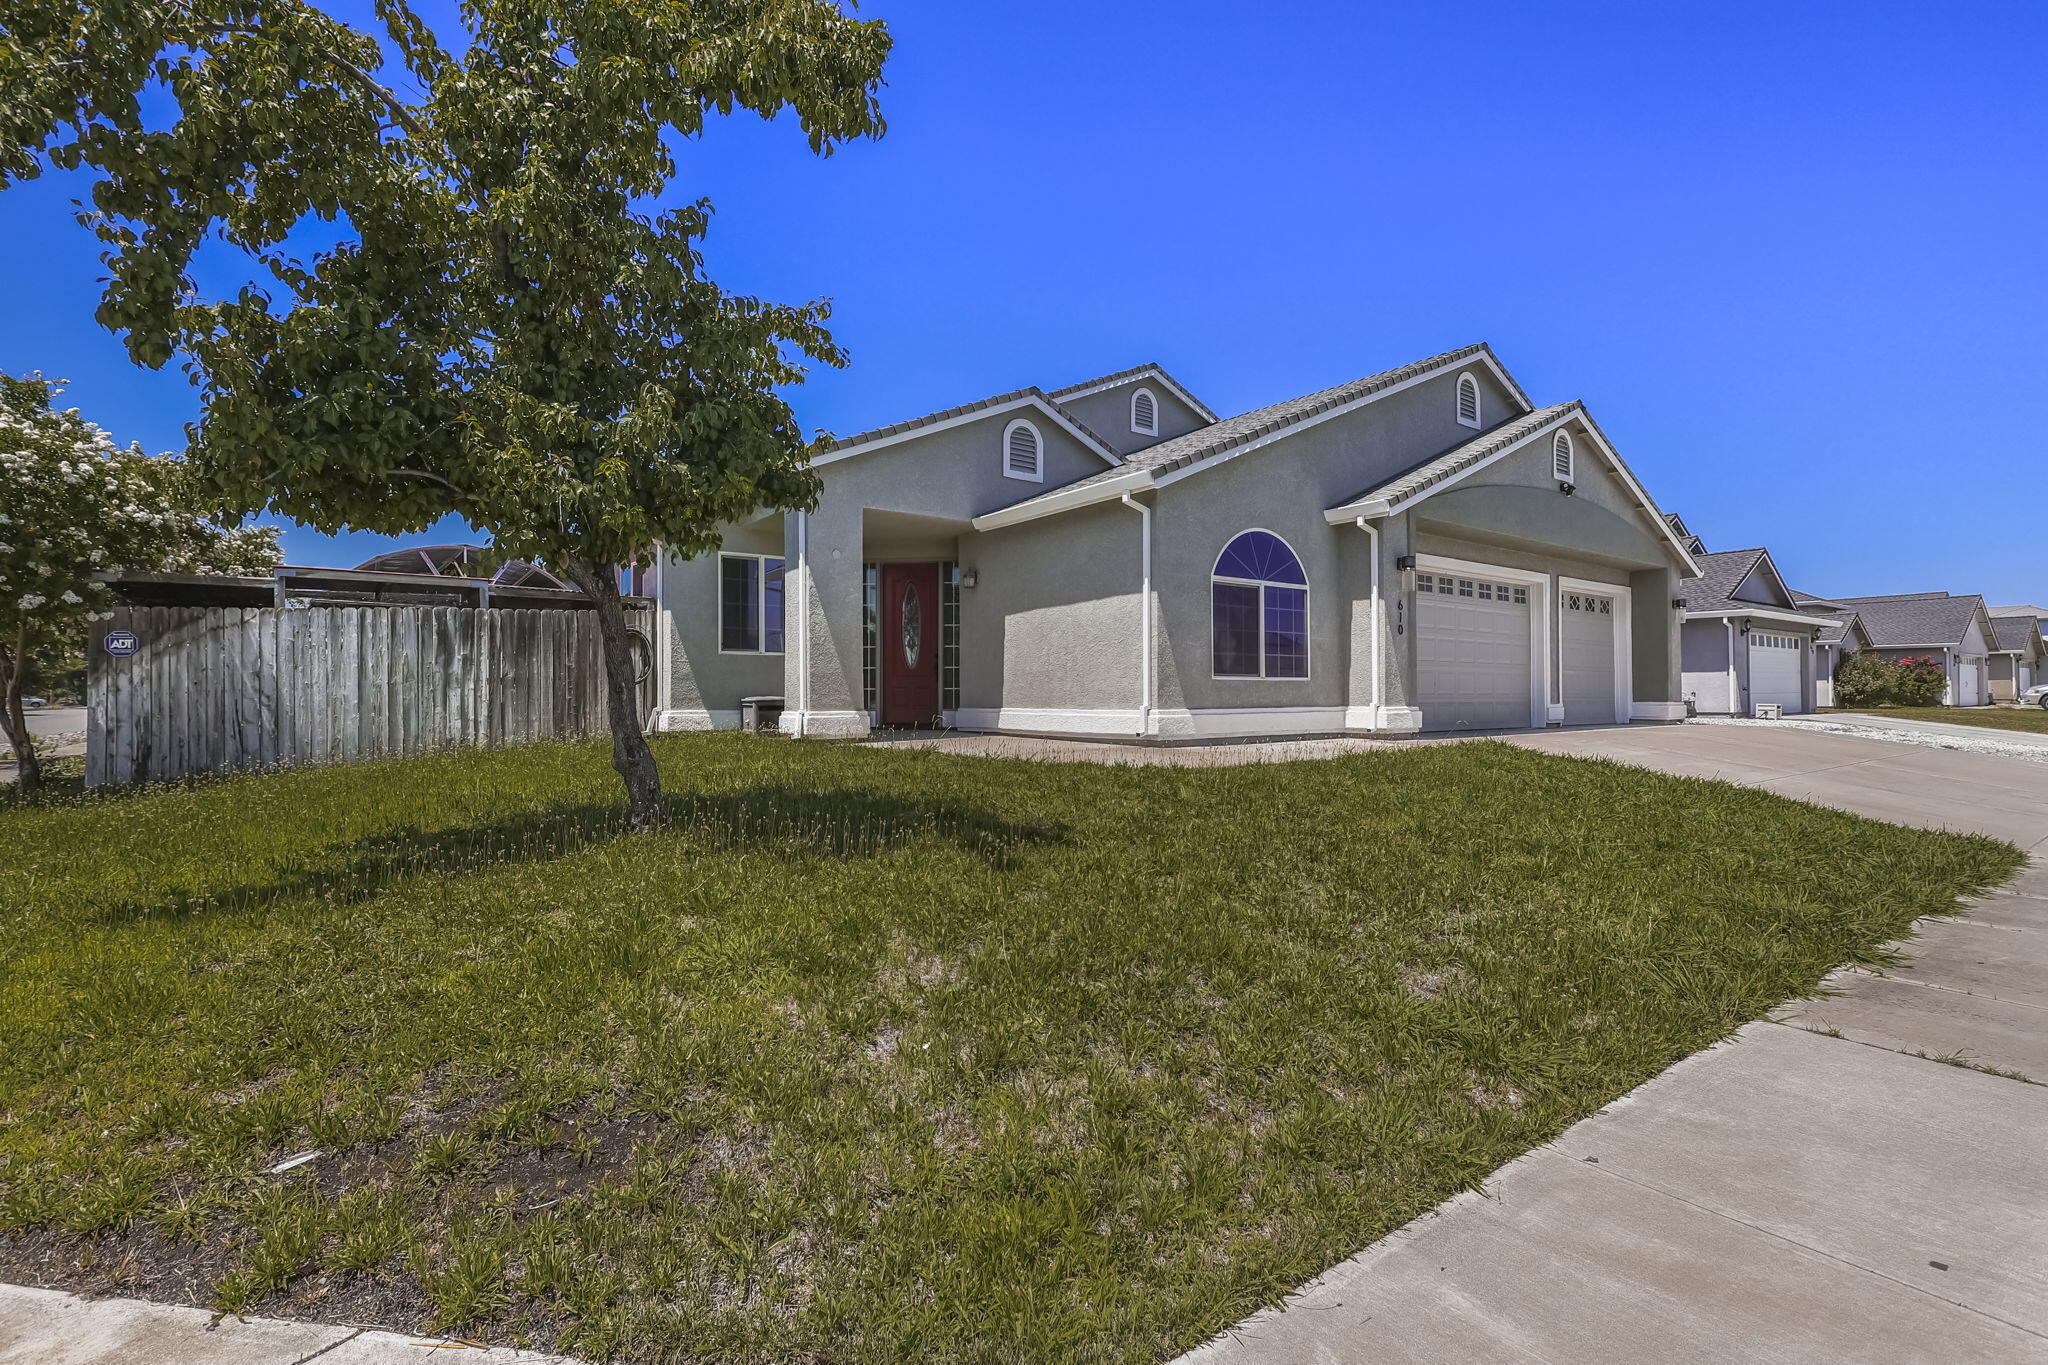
969	577
1566	488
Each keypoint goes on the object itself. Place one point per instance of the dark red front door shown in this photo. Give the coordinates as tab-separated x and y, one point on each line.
910	644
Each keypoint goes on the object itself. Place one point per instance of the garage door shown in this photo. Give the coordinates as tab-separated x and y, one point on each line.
1587	636
1471	653
1774	670
1967	689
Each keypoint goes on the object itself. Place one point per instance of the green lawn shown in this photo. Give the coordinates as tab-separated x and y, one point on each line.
2029	718
879	1055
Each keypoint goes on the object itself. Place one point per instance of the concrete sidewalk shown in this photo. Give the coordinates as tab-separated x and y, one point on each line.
1816	1189
47	1327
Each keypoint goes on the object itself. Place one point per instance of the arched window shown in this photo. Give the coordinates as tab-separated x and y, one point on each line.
1258	610
1023	452
1561	455
1468	400
1144	413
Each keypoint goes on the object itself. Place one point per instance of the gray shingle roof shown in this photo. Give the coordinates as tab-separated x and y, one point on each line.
2014	632
1915	618
1721	573
1452	462
1108	380
1182	451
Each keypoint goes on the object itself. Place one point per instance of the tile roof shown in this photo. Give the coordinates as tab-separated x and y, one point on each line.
1928	618
1110	380
2014	632
1455	461
947	414
1218	437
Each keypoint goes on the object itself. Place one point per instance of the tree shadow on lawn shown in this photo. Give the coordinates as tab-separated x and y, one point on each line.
843	823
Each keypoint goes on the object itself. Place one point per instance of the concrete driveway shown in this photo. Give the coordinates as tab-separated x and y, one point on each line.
1820	1188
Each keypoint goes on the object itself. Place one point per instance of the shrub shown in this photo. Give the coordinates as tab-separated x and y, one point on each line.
1865	678
1920	680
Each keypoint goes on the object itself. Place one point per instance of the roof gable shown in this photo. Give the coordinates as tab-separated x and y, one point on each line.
1132	378
1017	400
1912	620
1763	576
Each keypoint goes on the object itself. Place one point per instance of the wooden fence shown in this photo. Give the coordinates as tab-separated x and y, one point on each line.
212	688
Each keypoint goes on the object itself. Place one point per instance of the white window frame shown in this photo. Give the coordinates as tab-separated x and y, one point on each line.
1478	418
1037	474
760	602
1152	430
1307	611
1564	456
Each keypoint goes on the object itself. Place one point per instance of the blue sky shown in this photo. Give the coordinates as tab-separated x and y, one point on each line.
1792	256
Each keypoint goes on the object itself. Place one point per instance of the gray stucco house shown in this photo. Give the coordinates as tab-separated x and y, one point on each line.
2017	650
1420	549
1954	629
1841	635
1747	640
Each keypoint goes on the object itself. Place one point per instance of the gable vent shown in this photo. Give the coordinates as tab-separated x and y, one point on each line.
1561	455
1144	413
1021	451
1468	400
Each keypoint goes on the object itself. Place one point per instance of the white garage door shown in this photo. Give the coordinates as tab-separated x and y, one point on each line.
1471	653
1774	670
1587	636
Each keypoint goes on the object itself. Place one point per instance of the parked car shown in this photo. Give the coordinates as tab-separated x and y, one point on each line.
34	703
2035	696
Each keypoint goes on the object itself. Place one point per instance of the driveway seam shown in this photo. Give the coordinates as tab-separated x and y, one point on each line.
330	1346
1839	1037
1795	1242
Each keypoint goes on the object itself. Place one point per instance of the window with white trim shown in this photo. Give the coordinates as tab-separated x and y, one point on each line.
1144	413
1561	455
1023	452
749	604
1258	610
1468	401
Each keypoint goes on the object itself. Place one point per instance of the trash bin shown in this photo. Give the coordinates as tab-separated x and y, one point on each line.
758	714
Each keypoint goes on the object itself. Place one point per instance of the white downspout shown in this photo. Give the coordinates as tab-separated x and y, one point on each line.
1145	688
803	625
1734	695
1374	716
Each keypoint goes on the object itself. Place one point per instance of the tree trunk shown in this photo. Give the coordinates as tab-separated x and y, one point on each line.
29	769
630	754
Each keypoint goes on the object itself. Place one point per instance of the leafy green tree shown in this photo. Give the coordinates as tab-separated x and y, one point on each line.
472	299
77	507
1865	678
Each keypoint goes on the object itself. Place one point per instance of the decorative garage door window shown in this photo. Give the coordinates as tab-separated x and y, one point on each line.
1593	606
1478	589
1760	640
1258	610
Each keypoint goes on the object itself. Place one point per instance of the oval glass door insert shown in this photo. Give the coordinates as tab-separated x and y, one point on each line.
912	617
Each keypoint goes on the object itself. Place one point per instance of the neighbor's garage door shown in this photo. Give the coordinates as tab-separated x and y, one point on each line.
1587	634
1471	653
1774	670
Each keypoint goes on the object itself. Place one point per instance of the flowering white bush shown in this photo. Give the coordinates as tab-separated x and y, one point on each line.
73	505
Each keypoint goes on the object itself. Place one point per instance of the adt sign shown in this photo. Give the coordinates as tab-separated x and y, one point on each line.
121	643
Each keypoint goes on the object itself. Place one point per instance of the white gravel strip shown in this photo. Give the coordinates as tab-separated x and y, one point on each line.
1929	738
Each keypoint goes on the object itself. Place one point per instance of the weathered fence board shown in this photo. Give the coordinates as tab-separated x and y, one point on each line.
213	688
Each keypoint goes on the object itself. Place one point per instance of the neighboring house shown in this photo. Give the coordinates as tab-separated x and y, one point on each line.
1841	636
2017	650
1422	549
1745	641
1955	630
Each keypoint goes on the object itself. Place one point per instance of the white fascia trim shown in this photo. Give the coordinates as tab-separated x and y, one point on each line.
1340	410
1381	507
1152	374
1761	614
698	718
1636	490
1108	490
1035	401
825	724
